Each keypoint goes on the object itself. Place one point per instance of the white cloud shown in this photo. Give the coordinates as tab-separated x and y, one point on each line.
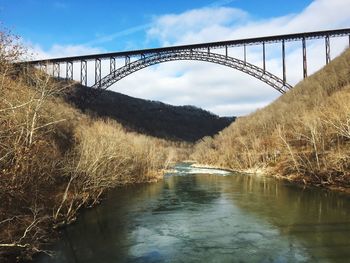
62	51
122	33
192	26
239	109
216	88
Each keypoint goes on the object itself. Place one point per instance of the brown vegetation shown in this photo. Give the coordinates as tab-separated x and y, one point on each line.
303	135
54	159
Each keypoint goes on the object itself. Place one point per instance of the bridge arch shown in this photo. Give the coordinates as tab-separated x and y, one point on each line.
161	57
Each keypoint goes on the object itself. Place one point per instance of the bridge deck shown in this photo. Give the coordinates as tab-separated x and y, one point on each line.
211	45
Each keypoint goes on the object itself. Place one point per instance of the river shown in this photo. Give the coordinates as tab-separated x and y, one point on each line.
201	215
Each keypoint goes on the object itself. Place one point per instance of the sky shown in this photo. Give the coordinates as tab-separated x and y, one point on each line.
66	28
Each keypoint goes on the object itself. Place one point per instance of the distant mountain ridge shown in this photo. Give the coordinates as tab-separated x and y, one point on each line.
187	123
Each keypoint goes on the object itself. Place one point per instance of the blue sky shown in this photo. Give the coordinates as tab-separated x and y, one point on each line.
66	28
65	22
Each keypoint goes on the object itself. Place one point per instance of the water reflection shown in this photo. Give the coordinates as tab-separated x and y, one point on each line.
211	218
319	220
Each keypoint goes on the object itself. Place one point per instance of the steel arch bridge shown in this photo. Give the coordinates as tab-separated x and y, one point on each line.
231	62
138	59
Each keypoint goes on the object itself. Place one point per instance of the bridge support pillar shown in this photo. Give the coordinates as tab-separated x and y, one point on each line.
304	58
83	72
284	62
25	69
43	67
56	70
127	60
69	70
226	51
328	50
245	54
98	72
112	64
264	57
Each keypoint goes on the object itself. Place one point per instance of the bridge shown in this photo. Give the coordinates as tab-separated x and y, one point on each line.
139	59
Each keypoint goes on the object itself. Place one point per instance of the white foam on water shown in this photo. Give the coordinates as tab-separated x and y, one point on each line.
199	170
187	169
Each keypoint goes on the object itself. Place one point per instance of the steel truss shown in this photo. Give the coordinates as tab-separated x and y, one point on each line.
83	72
201	52
243	66
69	70
204	46
56	70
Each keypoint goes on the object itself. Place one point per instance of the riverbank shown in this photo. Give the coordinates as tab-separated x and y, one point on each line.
303	136
268	172
56	160
308	146
210	217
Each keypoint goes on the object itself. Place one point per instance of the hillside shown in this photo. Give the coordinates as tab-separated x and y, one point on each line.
54	160
154	118
303	136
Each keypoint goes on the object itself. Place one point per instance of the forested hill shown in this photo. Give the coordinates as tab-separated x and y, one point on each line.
153	118
304	135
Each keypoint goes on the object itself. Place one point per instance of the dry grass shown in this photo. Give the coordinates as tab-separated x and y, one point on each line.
303	135
54	159
105	156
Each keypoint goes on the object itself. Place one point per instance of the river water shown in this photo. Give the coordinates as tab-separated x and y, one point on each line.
201	215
